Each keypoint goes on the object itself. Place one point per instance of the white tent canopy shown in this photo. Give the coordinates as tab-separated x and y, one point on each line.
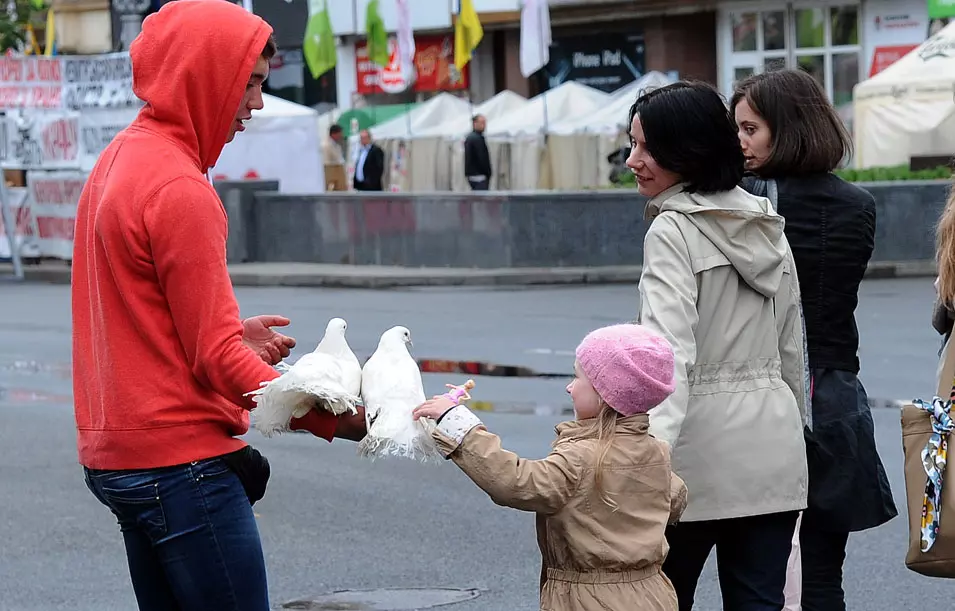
439	109
566	101
280	142
908	109
274	106
497	108
612	117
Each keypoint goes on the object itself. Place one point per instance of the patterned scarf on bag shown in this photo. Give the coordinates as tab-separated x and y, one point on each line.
934	461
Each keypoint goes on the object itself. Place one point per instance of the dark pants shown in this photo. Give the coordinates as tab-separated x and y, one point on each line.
479	185
752	554
191	539
823	554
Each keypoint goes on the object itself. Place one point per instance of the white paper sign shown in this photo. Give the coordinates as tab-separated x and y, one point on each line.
40	139
53	197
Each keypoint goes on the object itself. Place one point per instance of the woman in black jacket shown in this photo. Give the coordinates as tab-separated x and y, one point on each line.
793	139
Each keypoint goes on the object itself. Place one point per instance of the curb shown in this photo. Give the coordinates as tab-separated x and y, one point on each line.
382	277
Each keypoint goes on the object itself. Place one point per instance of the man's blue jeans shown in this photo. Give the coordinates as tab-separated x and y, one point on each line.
191	539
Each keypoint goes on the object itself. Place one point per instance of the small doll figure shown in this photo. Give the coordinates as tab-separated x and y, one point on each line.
459	394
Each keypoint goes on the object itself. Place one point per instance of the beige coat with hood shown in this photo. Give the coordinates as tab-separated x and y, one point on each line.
594	557
720	283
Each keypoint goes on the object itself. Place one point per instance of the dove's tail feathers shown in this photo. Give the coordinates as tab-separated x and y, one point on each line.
421	449
286	397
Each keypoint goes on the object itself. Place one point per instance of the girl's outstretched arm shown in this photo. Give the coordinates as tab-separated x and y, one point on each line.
542	486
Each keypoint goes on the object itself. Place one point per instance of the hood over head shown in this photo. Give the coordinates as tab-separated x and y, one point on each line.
191	63
744	227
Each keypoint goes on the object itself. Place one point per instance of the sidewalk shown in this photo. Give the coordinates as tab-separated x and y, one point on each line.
381	277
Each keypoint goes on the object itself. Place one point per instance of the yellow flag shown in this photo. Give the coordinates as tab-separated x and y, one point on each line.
467	34
50	33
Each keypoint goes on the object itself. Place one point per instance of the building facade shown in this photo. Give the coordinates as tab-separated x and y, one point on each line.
602	43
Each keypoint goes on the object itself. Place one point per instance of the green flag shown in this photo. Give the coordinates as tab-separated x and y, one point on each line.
377	35
319	44
939	9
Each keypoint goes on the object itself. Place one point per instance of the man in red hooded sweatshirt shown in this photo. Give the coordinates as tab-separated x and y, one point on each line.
161	359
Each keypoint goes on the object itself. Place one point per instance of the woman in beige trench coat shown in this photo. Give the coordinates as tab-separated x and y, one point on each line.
719	282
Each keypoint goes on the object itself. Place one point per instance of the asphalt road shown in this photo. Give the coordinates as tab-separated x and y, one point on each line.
334	522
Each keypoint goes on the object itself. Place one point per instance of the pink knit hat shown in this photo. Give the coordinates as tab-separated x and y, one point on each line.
630	367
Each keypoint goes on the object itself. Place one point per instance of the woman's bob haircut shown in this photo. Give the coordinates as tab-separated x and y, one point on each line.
807	135
689	131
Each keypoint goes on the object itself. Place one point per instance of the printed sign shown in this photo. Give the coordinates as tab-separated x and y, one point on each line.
31	82
98	81
606	62
98	128
433	61
892	29
73	82
40	140
53	197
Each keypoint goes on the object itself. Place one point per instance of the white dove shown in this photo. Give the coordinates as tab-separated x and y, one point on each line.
391	389
330	377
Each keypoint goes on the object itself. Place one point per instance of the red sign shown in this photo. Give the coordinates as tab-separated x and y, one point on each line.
883	57
433	60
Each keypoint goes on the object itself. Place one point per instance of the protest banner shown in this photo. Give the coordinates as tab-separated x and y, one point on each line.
40	140
52	198
71	82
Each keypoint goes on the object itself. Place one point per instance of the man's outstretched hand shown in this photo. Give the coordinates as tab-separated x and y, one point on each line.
270	345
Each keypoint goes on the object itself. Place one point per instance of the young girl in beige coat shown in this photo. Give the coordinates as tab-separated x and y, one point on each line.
605	494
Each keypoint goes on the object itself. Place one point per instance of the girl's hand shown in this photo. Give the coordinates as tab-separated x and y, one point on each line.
434	409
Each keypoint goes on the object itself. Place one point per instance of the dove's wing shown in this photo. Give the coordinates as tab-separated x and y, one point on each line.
351	371
314	379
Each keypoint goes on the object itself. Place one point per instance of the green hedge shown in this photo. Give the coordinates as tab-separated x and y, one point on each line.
894	173
885	174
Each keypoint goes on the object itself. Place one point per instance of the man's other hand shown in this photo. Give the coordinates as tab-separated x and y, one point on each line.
270	345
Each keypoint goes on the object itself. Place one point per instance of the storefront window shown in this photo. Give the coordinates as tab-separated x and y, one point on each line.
810	28
774	30
744	32
771	64
815	65
845	76
845	25
821	38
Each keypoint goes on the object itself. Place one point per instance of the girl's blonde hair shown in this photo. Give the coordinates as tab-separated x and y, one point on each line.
604	425
945	252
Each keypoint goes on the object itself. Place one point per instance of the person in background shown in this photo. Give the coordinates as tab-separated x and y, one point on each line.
370	168
791	135
719	283
336	178
477	159
162	361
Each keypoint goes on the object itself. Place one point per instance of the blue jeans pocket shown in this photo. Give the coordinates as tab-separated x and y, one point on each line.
140	505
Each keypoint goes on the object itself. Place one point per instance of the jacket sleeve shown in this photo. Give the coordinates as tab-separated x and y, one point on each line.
187	228
678	494
792	344
668	293
542	486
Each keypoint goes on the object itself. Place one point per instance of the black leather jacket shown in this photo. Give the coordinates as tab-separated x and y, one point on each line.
830	225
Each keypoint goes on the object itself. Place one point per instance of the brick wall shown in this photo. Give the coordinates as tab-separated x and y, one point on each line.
686	43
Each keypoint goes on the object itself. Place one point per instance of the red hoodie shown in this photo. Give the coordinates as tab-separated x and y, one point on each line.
159	367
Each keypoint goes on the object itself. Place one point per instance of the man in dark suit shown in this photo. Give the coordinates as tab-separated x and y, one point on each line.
370	166
477	159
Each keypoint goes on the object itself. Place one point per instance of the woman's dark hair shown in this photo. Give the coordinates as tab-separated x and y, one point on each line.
807	135
689	131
